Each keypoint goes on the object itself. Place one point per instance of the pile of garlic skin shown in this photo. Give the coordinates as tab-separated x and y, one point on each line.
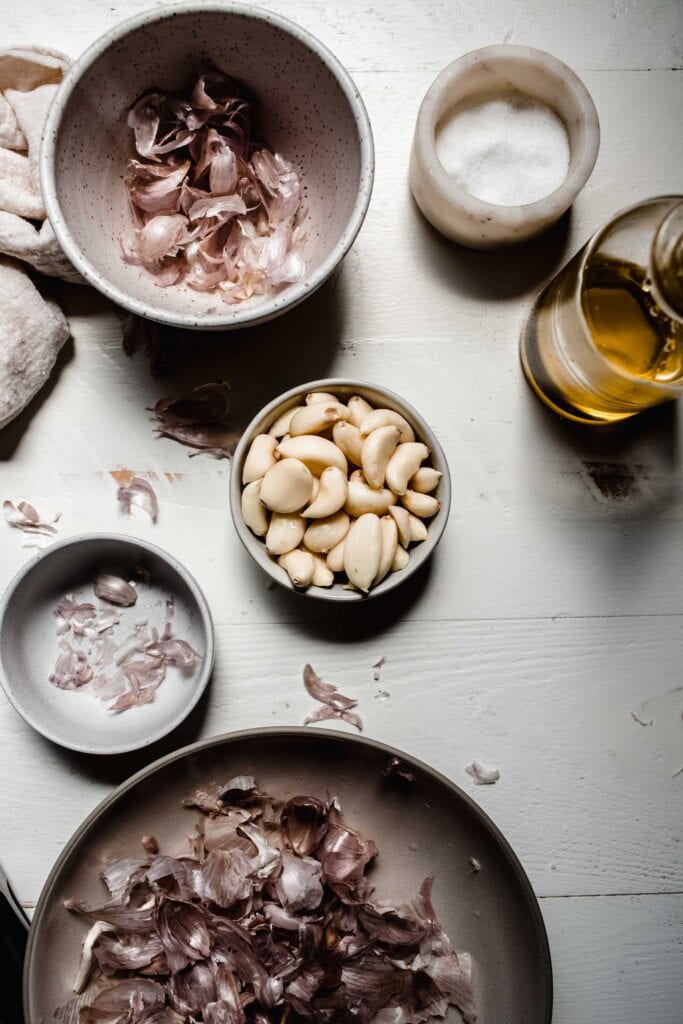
317	514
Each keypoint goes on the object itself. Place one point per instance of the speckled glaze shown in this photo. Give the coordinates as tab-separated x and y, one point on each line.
310	111
381	398
28	643
450	208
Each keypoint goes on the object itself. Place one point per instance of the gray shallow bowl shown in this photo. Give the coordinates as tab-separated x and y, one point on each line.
429	827
377	396
28	643
310	111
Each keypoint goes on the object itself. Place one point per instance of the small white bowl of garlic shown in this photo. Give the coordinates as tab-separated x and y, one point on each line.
339	490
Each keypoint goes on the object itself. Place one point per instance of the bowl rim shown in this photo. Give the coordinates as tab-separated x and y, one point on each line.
240	316
456	196
204	611
334	593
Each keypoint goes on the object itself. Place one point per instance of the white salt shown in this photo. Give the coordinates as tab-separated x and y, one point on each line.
504	148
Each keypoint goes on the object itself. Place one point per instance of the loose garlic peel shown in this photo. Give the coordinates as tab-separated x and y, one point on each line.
321	517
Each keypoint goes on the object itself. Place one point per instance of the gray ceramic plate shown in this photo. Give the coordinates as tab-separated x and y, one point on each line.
429	827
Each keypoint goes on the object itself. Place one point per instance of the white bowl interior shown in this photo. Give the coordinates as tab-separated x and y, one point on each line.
304	114
28	645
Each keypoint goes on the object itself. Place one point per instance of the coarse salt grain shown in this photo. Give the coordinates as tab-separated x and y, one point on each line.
504	148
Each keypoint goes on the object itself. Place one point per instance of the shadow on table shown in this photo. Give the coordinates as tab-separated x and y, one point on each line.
495	273
12	433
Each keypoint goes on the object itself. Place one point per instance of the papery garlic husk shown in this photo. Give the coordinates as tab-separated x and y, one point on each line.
425	480
315	452
253	512
347	437
389	532
403	464
260	458
385	418
378	448
402	517
285	532
287	486
323	534
363	551
299	566
424	506
333	490
314	419
358	409
362	498
115	590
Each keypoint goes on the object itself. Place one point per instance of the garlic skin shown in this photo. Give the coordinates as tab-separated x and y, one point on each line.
425	480
362	498
378	448
281	425
387	418
424	506
403	464
347	437
253	512
299	566
402	518
285	532
332	493
363	551
323	534
389	534
287	486
260	458
315	452
335	557
358	409
314	419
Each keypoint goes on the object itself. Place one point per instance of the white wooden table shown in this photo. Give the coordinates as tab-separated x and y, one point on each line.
547	637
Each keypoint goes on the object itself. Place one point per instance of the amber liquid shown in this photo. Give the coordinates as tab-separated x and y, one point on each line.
622	323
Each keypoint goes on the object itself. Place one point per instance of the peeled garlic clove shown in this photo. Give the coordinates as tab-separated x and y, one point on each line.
285	532
260	457
315	452
425	480
418	530
358	409
322	574
316	487
347	437
389	547
281	425
424	506
363	550
253	512
332	493
322	535
378	448
401	560
287	487
404	464
314	419
318	397
335	557
402	517
362	498
386	418
299	566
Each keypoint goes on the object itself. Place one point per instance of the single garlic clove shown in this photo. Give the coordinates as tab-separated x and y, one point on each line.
418	530
285	532
281	425
363	550
315	452
387	418
299	566
253	512
322	535
316	487
322	574
424	506
404	464
389	547
358	409
319	397
362	498
378	448
402	517
425	480
260	457
287	486
332	493
401	560
347	437
314	419
335	557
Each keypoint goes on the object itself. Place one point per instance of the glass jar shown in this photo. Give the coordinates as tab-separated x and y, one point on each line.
604	339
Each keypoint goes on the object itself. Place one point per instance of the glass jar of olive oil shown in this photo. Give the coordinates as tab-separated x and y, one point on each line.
604	339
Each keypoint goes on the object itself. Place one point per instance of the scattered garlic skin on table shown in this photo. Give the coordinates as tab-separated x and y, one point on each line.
338	491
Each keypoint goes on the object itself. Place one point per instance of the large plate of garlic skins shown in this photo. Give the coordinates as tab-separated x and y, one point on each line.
422	824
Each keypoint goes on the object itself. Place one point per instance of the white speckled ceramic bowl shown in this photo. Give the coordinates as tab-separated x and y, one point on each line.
28	642
310	111
531	73
379	397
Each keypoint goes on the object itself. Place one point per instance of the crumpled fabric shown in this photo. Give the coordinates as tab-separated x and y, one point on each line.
32	327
